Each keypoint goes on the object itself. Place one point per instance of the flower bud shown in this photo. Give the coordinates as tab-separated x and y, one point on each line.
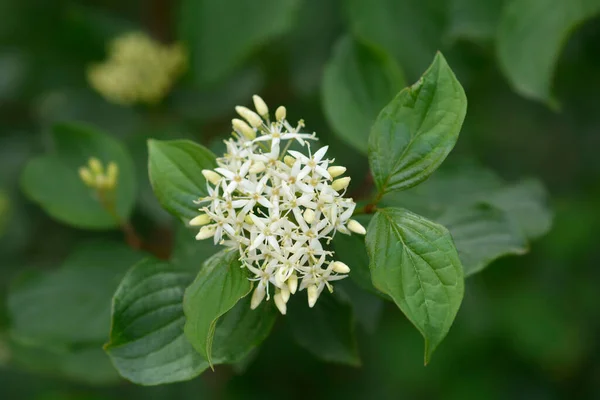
112	172
211	176
285	293
293	283
281	306
309	216
289	160
260	105
242	127
280	113
248	220
86	176
336	171
257	168
313	295
340	184
95	166
340	267
253	118
257	296
200	220
206	232
356	227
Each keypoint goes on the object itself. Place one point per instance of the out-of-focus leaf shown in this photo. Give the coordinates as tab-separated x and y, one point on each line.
220	34
415	132
190	253
530	38
53	180
70	306
175	169
4	212
147	344
366	306
482	233
358	82
473	19
410	30
415	262
88	365
220	284
326	330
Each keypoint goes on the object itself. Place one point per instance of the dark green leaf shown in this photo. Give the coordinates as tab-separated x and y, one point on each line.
366	306
482	233
220	284
326	330
415	262
147	344
70	306
530	38
188	252
53	180
358	82
410	30
473	19
415	132
175	169
217	47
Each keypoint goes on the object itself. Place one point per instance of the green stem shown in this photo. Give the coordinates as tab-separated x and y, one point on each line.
108	203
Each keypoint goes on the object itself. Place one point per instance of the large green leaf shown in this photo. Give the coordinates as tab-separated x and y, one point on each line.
220	284
530	38
70	306
482	233
415	262
175	169
53	180
474	19
415	132
358	82
410	30
326	330
220	34
147	344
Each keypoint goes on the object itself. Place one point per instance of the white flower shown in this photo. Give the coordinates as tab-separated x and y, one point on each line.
277	208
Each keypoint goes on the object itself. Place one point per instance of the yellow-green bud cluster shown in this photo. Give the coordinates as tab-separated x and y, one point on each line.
97	177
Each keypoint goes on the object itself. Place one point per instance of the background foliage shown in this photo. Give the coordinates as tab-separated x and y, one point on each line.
527	325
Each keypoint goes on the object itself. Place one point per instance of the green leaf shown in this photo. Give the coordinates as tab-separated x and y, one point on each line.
216	48
53	180
367	307
188	252
70	306
220	284
415	132
358	82
482	233
410	30
326	330
175	169
473	19
415	262
147	344
530	38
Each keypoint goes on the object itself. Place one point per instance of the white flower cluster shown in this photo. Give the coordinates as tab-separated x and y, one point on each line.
276	206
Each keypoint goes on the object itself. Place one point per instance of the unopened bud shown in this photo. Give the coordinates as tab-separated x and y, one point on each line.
253	118
257	296
206	232
313	295
285	293
200	220
86	176
248	220
95	166
309	216
243	128
293	283
340	184
257	168
289	160
112	172
281	306
356	227
336	171
340	267
260	105
280	113
211	176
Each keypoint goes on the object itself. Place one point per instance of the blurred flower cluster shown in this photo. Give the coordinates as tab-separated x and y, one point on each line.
138	69
275	206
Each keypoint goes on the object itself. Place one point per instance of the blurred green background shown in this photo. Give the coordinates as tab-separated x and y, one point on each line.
528	327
